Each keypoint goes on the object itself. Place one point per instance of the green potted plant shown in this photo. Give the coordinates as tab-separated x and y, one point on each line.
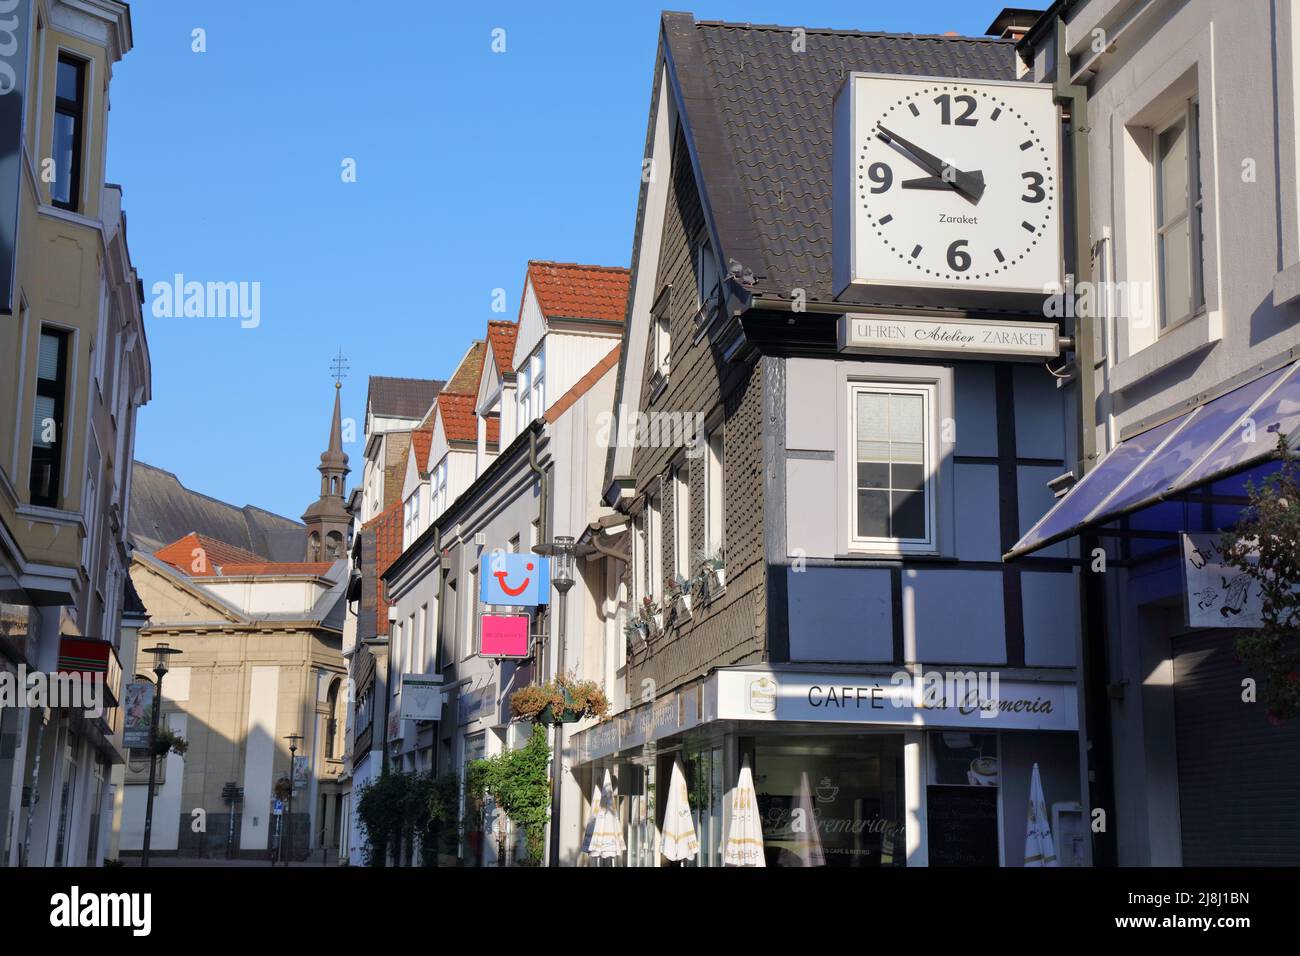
679	596
282	788
653	615
713	573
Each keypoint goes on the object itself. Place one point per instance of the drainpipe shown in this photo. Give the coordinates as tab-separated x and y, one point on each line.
1096	759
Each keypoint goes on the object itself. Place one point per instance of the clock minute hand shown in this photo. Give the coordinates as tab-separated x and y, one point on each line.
970	184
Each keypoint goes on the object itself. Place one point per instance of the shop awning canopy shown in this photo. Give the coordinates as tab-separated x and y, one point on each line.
1210	442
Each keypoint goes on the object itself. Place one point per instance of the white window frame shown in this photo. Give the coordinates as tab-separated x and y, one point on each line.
681	521
704	253
878	545
715	490
654	543
1193	209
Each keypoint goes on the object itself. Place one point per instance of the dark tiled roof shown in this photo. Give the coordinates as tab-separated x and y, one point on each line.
163	510
401	397
761	118
567	290
464	381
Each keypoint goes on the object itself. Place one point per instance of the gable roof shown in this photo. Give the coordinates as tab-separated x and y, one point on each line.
464	381
501	336
421	439
459	421
568	290
760	113
163	510
216	554
401	397
583	385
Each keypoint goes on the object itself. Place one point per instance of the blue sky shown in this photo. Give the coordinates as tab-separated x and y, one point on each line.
468	163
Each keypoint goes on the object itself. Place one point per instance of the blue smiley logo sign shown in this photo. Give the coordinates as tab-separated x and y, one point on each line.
515	580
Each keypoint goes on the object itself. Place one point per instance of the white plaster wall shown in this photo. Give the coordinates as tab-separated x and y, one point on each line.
259	754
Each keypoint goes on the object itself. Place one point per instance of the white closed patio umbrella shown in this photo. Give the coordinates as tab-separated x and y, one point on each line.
808	842
1039	848
745	835
605	838
679	842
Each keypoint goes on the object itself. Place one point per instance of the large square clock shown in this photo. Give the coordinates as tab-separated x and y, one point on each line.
946	193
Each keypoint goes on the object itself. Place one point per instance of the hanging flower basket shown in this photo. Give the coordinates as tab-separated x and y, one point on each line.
167	740
563	701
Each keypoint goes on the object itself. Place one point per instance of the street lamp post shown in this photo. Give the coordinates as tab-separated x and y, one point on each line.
288	832
160	654
561	551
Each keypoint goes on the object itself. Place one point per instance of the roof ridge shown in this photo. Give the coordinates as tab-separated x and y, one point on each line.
577	265
831	31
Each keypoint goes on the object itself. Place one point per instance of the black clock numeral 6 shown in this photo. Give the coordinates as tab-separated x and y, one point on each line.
959	258
945	106
881	174
1036	193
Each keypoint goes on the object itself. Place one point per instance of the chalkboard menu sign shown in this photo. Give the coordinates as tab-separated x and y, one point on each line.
963	826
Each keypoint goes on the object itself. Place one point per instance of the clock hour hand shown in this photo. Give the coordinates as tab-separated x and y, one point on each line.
971	185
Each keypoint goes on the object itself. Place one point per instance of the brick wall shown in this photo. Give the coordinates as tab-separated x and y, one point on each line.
732	628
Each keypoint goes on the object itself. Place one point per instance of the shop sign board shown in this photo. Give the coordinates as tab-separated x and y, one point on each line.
511	579
1218	594
974	699
907	335
421	697
504	636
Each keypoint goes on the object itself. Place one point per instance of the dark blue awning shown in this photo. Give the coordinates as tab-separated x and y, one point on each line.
1208	443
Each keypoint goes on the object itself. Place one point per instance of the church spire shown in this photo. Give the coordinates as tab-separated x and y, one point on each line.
327	519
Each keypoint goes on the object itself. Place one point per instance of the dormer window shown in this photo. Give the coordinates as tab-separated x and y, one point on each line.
706	278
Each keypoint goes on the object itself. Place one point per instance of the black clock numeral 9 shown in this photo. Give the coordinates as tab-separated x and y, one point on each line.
959	258
1036	193
882	175
945	106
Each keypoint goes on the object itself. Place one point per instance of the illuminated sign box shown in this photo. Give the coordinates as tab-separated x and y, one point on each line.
504	635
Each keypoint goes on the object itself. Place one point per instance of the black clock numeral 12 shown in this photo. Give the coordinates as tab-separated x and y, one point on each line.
945	106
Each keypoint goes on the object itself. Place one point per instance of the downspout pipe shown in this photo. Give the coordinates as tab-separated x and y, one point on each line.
1096	759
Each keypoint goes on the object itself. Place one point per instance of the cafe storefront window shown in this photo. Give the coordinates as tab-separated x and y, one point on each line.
830	800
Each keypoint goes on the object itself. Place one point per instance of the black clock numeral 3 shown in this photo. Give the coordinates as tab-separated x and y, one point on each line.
958	258
945	107
882	175
1036	193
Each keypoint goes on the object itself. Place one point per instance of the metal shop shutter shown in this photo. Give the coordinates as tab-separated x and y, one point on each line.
1238	775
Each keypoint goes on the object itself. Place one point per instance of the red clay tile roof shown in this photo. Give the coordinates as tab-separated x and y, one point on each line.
214	554
420	440
568	290
582	386
502	337
388	548
460	423
271	567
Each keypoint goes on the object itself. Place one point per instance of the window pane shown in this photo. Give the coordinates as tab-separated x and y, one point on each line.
44	410
908	514
873	474
1172	156
47	362
64	128
873	417
69	81
908	477
1175	273
905	413
873	514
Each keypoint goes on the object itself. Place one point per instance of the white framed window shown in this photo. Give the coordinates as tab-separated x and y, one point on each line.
438	489
681	521
421	661
892	483
654	547
537	383
1178	206
471	614
714	492
662	344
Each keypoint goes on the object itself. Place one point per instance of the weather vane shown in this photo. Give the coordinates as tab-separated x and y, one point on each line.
339	368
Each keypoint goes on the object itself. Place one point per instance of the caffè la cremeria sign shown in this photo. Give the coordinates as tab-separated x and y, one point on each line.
942	699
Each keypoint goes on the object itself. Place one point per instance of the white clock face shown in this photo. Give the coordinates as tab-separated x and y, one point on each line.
953	184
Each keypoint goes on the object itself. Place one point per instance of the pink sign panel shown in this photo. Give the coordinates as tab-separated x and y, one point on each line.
504	636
